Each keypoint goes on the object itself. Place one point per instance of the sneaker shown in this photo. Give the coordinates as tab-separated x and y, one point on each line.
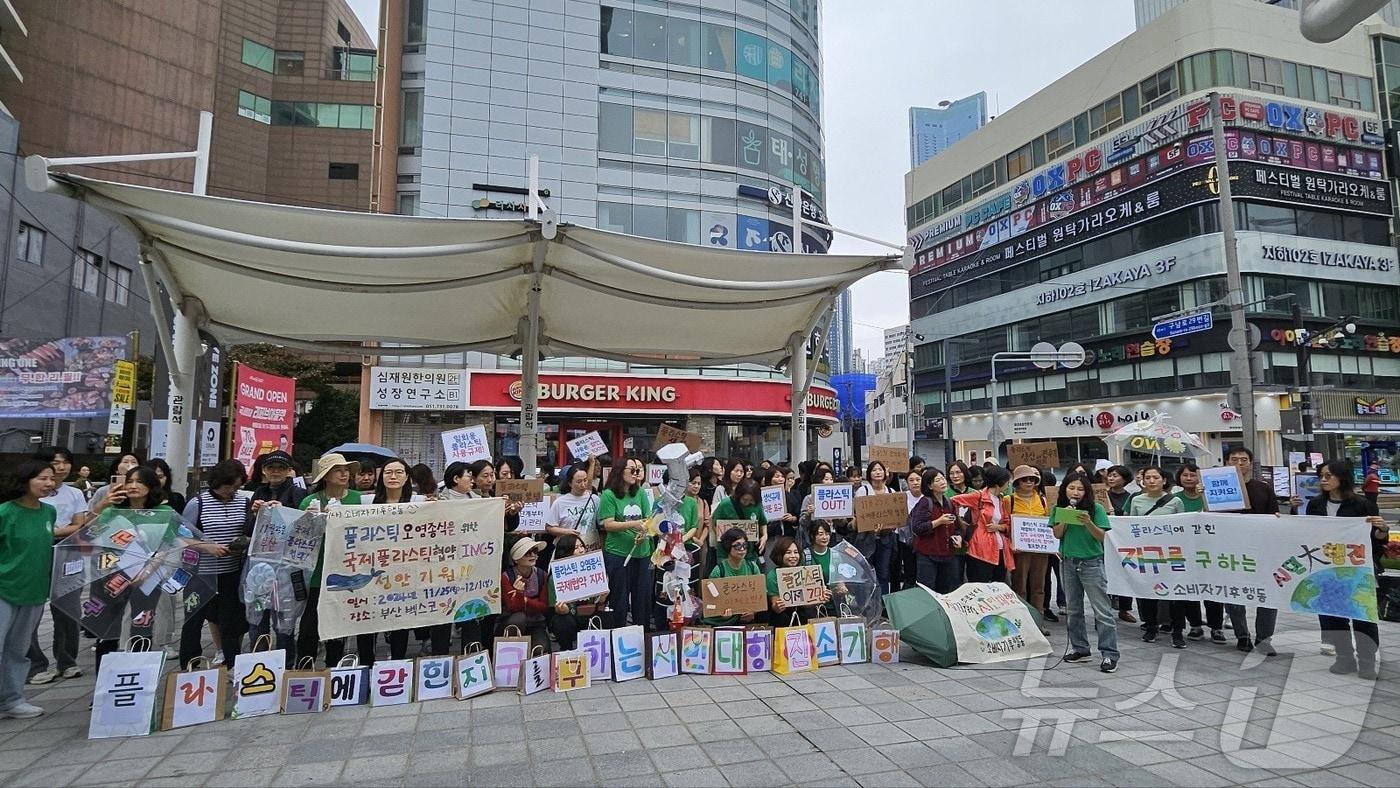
1062	610
217	660
1178	641
1150	636
21	711
73	672
1049	616
1342	667
1196	633
1164	627
1108	666
1076	656
1265	647
1244	644
1217	636
1328	650
43	678
1368	671
1127	617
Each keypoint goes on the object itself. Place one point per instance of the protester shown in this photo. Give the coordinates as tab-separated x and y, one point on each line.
26	563
777	476
793	500
423	482
330	485
394	487
711	472
735	563
1081	553
525	602
787	554
880	545
1116	478
1027	500
839	528
70	514
1156	499
744	504
904	567
575	511
959	482
989	553
733	474
366	475
1188	478
84	482
483	478
1371	486
278	488
173	497
570	617
220	514
975	480
1356	642
627	548
457	483
853	474
1261	501
125	462
938	532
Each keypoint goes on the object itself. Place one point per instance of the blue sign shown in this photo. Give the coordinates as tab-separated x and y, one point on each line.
1181	326
752	234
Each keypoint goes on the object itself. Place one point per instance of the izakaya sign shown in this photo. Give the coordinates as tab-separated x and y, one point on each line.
594	393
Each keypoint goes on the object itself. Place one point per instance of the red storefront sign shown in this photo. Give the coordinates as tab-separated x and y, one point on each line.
637	394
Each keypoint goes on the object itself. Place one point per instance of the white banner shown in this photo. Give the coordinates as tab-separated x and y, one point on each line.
1314	565
991	624
398	566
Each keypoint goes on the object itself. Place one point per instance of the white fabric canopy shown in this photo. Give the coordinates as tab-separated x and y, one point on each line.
304	276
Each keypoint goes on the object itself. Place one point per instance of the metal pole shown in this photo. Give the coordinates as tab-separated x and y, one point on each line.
1302	379
201	152
909	389
995	436
949	349
530	383
797	368
1239	332
181	402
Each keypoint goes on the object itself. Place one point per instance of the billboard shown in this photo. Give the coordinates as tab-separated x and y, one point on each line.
58	378
263	413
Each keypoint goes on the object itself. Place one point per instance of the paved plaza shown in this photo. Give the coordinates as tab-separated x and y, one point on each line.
1165	718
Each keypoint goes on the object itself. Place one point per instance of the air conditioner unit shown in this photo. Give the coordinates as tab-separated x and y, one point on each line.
58	432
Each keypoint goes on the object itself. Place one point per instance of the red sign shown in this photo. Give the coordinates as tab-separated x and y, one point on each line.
263	406
633	393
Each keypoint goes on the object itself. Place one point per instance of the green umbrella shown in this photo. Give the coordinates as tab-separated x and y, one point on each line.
923	625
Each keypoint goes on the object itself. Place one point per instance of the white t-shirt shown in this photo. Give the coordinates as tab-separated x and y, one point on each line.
571	511
996	513
69	501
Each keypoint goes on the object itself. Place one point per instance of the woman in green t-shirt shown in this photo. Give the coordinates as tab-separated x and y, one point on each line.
627	547
330	482
744	504
26	560
1080	523
787	554
734	547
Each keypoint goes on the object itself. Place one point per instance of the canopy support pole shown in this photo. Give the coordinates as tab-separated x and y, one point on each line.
177	434
797	370
530	346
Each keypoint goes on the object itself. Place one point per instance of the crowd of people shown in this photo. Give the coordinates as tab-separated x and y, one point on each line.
958	530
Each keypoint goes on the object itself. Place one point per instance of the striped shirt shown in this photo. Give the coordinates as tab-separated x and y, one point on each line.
220	522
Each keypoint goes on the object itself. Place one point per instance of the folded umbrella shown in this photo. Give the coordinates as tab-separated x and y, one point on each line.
923	625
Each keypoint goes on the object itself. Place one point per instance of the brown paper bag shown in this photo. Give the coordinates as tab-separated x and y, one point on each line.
306	690
194	696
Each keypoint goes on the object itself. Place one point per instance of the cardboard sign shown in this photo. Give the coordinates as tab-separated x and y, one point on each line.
257	683
1042	454
570	671
629	653
885	511
1101	495
124	698
833	501
1224	490
749	527
656	475
663	656
467	444
391	682
774	499
799	586
522	490
758	649
194	697
578	576
746	594
667	435
474	675
435	678
729	652
349	685
894	458
1033	535
585	446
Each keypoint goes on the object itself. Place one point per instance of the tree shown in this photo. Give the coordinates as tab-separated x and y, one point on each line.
333	419
145	377
276	360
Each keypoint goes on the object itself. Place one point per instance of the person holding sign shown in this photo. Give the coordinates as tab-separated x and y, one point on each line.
787	554
622	508
570	617
938	532
1156	499
1028	578
1079	522
26	563
989	554
575	513
330	482
837	528
735	563
879	546
776	476
1188	478
525	601
1356	642
743	504
457	483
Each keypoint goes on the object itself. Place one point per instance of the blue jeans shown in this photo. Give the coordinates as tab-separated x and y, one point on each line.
629	588
1084	577
17	624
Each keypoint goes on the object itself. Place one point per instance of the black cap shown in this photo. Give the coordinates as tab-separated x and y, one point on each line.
277	456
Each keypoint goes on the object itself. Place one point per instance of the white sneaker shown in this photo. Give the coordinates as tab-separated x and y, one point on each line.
21	711
1329	650
217	660
73	672
43	678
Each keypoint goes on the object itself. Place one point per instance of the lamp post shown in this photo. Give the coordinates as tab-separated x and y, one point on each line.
950	346
1302	370
1044	356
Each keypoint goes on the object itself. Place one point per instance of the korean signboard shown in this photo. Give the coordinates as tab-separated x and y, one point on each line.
70	377
263	413
411	388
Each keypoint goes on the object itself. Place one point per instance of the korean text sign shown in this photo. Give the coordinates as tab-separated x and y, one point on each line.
1224	490
1033	535
68	378
394	566
263	410
578	577
1313	565
467	444
831	501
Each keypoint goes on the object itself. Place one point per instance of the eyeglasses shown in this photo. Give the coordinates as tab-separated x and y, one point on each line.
739	546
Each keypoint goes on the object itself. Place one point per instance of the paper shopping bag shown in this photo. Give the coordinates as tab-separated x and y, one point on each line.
728	654
257	680
629	649
194	696
663	655
697	649
597	644
826	645
570	670
124	698
536	673
793	651
854	636
508	653
306	690
758	649
434	678
884	643
391	682
474	674
349	682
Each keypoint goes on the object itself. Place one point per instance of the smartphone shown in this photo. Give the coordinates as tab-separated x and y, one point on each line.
115	481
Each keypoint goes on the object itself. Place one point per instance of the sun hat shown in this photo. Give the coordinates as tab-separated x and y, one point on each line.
524	546
1025	472
325	463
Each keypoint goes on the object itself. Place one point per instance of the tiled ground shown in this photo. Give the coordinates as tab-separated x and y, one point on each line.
1164	719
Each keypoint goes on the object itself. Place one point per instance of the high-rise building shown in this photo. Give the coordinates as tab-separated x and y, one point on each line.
1092	209
933	130
1147	10
839	343
693	121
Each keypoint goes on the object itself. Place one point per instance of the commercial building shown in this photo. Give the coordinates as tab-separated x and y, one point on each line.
886	405
695	122
933	130
1145	11
1091	208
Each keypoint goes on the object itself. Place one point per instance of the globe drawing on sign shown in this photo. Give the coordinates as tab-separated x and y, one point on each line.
995	627
1348	591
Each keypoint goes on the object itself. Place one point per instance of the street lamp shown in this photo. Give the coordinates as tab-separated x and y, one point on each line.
1043	355
1302	375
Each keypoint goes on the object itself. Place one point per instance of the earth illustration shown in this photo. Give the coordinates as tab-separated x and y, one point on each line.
1340	590
995	627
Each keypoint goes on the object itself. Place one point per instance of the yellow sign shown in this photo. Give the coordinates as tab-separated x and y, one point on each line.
124	384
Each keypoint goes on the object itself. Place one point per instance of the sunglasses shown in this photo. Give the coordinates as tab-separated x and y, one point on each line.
739	546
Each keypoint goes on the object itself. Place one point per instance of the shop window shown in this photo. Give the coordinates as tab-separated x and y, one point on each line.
752	441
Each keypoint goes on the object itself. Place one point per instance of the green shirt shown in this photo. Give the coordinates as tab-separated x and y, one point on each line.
723	569
350	498
824	561
1197	504
26	553
626	509
1077	541
729	509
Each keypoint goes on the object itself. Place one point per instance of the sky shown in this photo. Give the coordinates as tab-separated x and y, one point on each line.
884	56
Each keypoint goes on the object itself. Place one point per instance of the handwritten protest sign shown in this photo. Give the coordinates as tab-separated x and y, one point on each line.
522	490
749	527
468	444
799	586
532	515
894	458
656	474
1101	496
585	446
1306	486
1042	454
1224	490
397	566
667	435
990	624
881	512
578	576
1312	565
774	502
1033	535
745	594
288	536
832	501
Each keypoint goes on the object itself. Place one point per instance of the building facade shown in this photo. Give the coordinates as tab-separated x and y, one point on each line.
886	405
1108	219
933	130
694	122
1145	11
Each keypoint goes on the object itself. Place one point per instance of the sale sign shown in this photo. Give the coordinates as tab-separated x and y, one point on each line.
263	406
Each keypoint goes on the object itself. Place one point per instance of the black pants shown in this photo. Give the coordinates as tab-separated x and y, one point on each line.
904	567
1338	633
227	609
939	574
566	627
1059	587
309	635
135	603
1151	615
1125	604
979	571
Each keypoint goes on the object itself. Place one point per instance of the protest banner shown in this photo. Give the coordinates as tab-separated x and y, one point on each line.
397	566
894	458
744	594
587	445
656	475
885	511
1224	489
1306	486
751	528
1314	565
774	499
991	624
1041	454
578	576
667	435
1033	535
799	586
521	490
467	444
264	408
833	501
